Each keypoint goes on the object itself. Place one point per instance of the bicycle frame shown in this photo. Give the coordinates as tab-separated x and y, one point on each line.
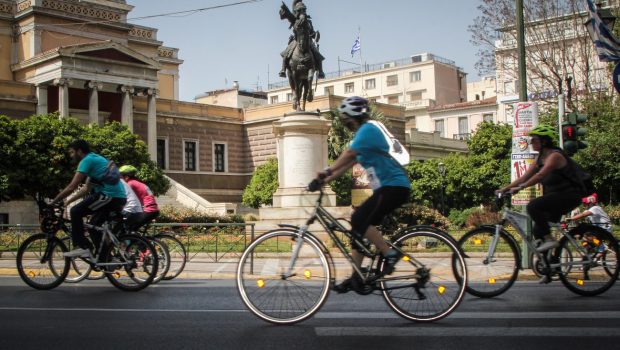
331	225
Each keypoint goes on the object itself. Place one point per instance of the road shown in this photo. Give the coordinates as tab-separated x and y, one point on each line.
208	314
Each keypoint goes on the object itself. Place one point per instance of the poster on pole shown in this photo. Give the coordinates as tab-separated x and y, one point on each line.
360	190
522	157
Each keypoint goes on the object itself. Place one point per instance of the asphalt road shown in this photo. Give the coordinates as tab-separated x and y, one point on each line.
208	314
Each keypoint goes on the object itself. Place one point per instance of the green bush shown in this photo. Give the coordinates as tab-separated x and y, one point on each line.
458	218
262	186
482	216
170	214
421	215
614	213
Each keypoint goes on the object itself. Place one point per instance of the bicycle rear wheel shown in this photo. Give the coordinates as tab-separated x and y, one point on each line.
178	255
132	264
494	275
593	268
163	258
40	261
429	281
271	295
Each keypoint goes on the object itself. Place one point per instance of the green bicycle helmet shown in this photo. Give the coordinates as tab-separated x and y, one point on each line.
545	131
128	170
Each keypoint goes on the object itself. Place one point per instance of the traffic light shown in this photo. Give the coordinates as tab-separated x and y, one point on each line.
572	132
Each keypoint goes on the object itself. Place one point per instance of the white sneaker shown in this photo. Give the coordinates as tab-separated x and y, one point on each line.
78	253
548	245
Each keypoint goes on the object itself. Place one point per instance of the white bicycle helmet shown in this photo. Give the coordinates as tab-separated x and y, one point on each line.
354	107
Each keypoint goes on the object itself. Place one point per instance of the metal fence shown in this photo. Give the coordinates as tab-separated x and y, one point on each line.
210	242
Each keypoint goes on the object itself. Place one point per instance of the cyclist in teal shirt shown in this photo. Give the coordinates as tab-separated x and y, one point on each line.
108	195
390	183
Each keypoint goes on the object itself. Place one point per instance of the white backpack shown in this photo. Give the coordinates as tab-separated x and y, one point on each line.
397	150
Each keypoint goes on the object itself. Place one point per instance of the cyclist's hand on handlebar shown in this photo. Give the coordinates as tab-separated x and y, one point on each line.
315	185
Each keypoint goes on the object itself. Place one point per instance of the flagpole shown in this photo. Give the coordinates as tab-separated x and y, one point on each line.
359	36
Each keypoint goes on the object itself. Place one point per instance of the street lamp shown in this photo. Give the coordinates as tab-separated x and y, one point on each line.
442	171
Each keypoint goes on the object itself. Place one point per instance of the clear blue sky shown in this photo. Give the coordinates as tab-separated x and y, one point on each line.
243	42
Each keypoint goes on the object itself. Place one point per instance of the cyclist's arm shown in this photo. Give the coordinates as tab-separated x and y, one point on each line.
528	174
78	178
342	164
581	215
82	192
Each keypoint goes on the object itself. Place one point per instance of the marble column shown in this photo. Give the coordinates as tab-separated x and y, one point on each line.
93	101
152	123
63	96
127	111
41	99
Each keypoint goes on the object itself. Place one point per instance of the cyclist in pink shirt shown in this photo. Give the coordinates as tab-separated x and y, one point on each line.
150	211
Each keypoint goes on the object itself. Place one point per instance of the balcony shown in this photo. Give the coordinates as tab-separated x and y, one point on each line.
418	104
461	137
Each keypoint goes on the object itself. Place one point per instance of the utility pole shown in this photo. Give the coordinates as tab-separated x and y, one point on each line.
521	52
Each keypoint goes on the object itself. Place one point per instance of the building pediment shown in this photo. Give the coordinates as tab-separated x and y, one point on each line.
109	51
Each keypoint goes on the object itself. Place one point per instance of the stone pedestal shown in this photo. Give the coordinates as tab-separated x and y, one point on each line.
302	153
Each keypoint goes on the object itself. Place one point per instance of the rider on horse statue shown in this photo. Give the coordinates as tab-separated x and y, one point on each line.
301	24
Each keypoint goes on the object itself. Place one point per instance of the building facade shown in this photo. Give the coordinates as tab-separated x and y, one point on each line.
415	83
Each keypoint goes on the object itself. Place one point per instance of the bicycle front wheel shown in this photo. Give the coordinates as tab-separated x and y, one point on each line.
491	271
163	258
132	264
429	281
80	269
593	267
40	261
273	292
178	255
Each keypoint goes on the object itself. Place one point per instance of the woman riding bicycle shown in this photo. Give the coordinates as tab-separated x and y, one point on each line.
561	193
389	182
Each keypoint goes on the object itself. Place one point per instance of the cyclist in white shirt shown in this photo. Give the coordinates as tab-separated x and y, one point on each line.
595	214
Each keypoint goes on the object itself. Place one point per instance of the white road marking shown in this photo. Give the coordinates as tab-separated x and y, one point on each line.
467	331
482	315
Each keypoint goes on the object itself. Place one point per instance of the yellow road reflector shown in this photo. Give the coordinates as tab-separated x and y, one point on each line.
260	283
441	289
492	280
308	274
477	241
580	282
406	258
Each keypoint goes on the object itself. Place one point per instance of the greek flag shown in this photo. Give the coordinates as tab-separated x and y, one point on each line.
607	46
357	45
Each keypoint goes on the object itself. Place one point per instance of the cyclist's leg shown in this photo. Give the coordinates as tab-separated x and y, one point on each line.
108	205
78	212
550	207
144	218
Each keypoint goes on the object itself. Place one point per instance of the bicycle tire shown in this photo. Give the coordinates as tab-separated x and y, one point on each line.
437	289
31	266
598	276
135	262
489	279
163	258
178	255
267	293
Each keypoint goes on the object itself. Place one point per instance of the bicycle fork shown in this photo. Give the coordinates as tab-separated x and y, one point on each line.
491	252
297	247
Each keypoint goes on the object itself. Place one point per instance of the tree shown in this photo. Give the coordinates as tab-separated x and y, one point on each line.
39	162
560	56
262	186
8	135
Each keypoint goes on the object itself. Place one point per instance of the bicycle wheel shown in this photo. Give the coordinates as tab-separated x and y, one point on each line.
266	291
163	258
80	269
178	255
132	264
40	261
494	275
425	285
591	272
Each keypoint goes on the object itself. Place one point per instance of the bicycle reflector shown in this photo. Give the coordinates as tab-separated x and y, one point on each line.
477	241
307	274
580	282
441	290
260	283
492	280
406	258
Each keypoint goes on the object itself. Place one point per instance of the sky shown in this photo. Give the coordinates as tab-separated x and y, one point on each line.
244	42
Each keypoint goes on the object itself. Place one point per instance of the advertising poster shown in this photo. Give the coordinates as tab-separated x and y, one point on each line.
360	190
525	118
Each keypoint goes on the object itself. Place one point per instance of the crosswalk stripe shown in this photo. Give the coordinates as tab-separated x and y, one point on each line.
467	331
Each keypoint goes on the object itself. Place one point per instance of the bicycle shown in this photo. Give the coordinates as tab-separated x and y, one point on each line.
129	262
494	257
176	250
284	276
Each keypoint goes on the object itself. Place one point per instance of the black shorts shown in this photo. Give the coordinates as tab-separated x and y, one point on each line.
374	209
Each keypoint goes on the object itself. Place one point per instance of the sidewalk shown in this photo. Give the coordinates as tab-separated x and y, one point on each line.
202	266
